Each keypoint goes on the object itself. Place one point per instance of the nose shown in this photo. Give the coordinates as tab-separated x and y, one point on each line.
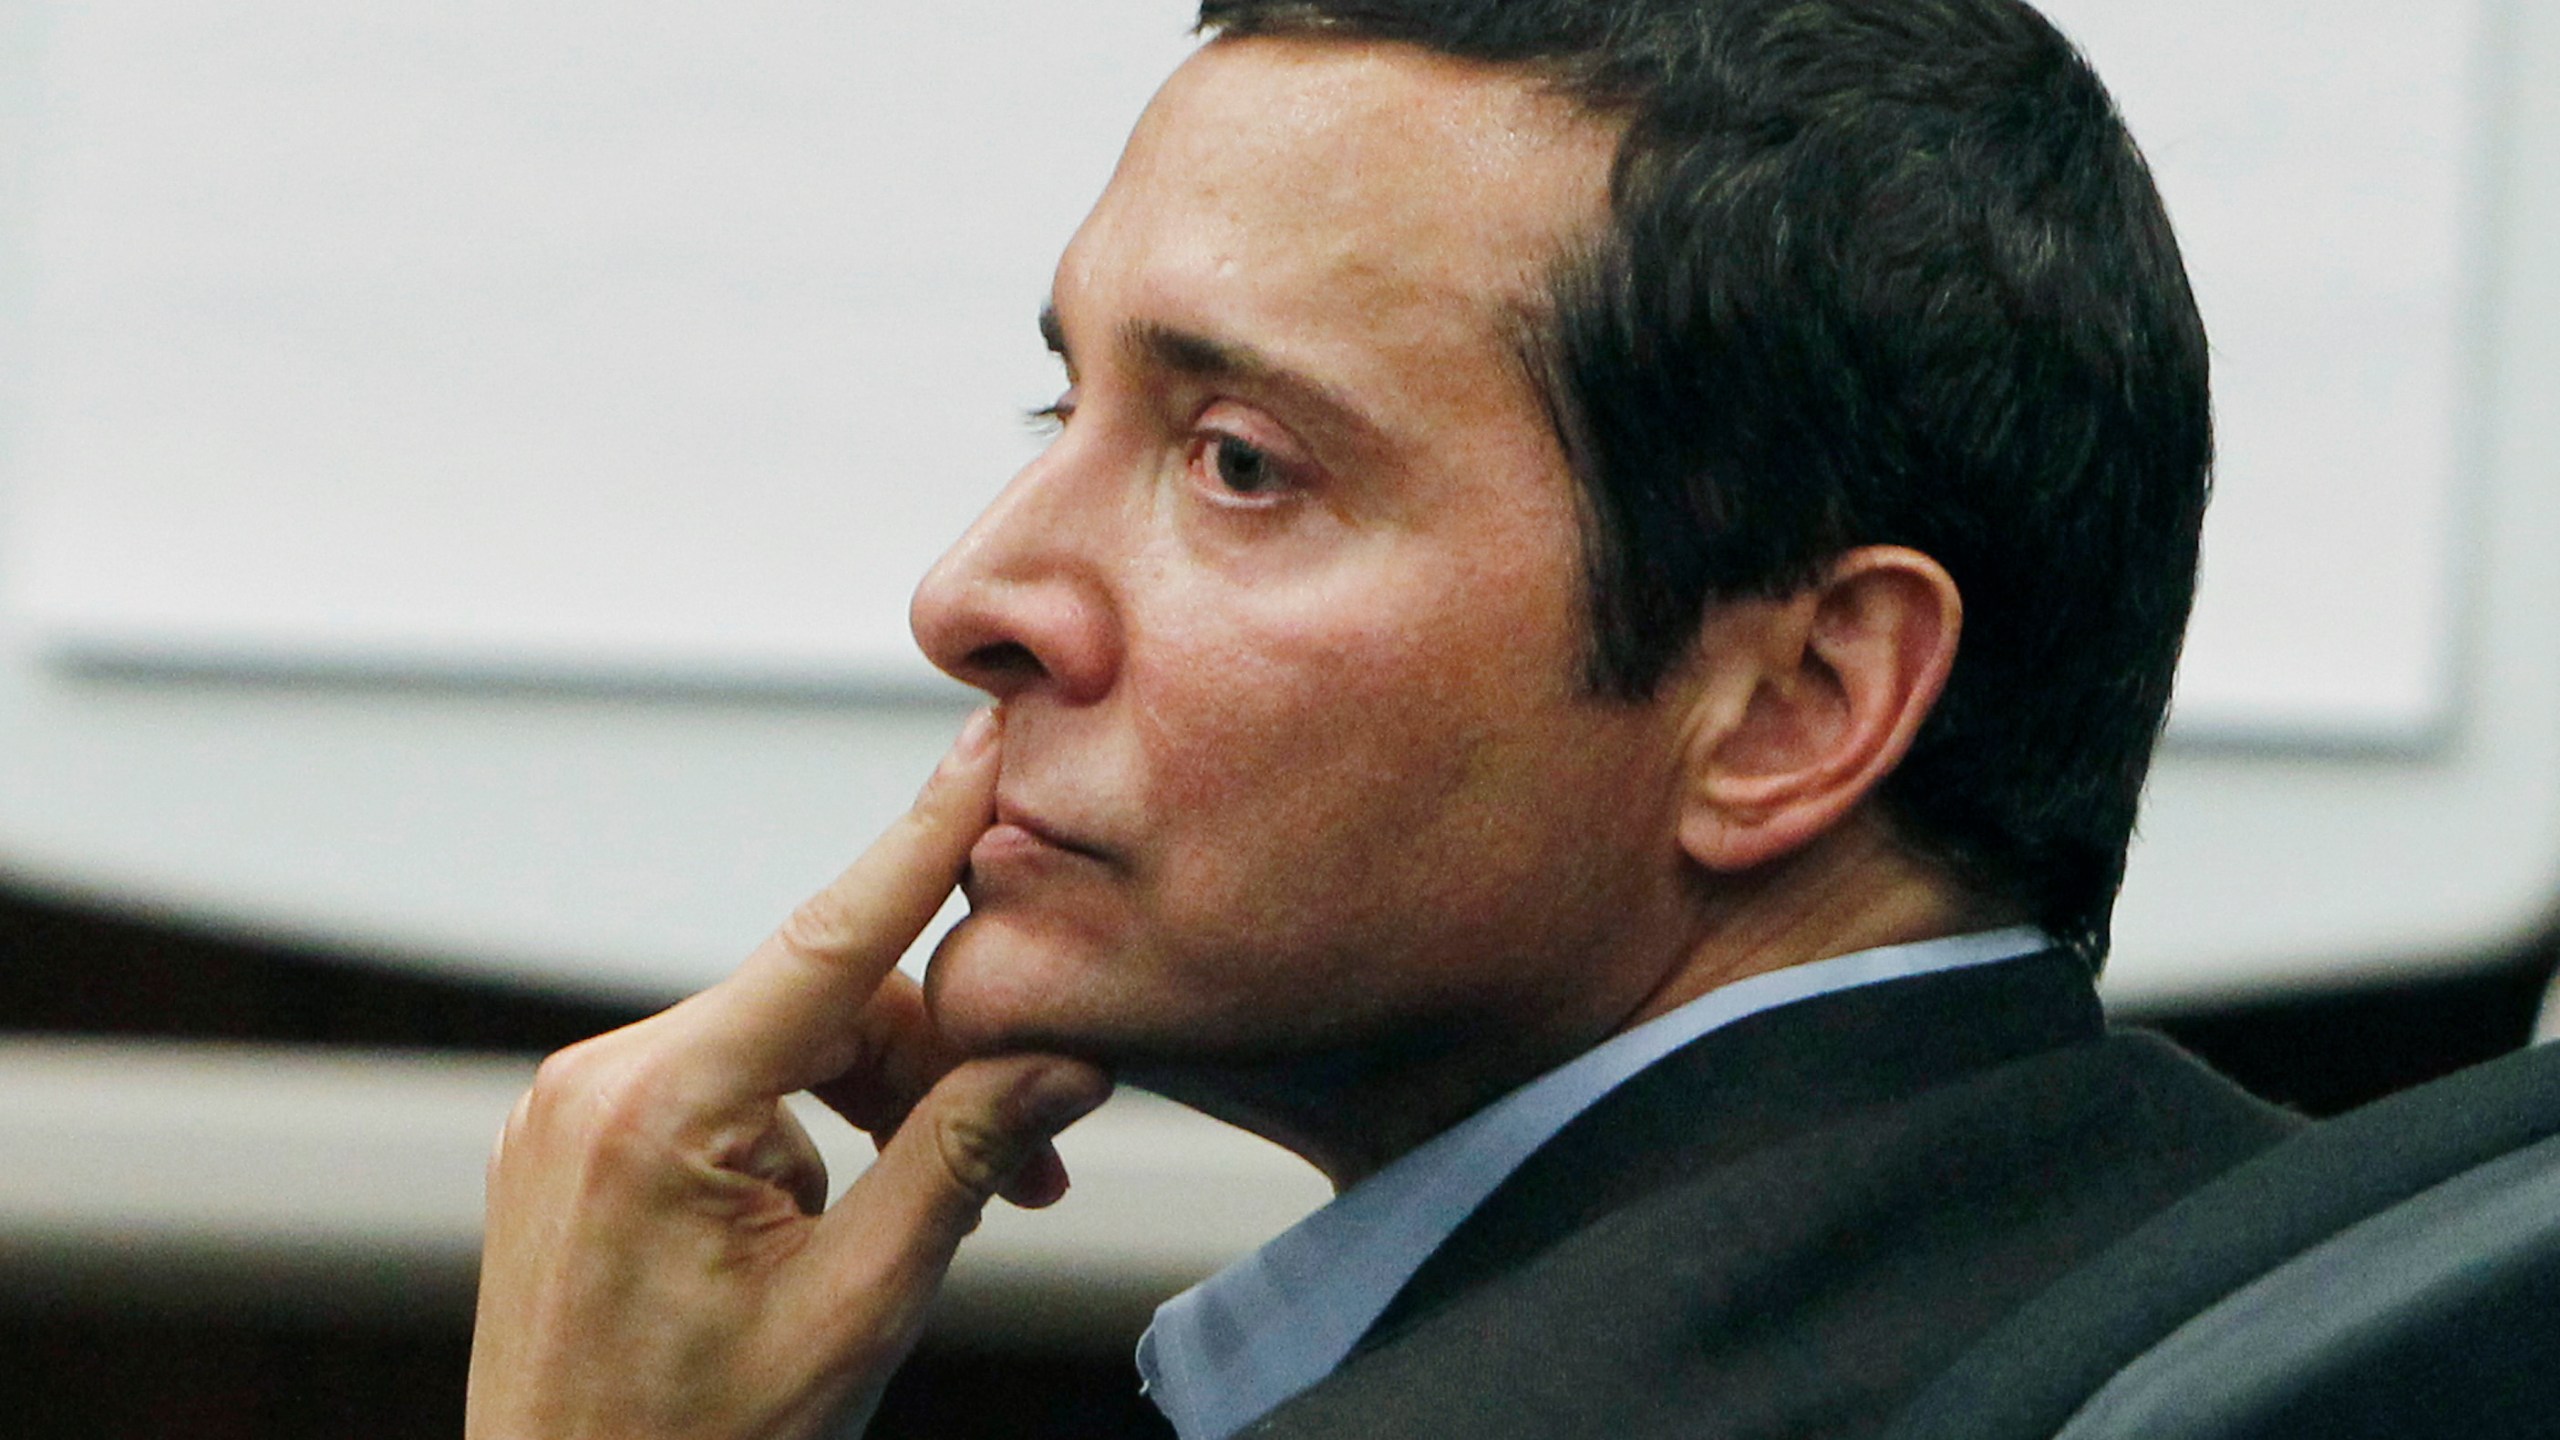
1023	602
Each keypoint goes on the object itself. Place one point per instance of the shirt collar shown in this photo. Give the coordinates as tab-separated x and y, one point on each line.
1223	1353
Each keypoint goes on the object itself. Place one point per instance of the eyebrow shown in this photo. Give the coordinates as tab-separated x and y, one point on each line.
1205	357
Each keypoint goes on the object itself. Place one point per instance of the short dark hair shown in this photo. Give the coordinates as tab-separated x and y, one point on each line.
1876	272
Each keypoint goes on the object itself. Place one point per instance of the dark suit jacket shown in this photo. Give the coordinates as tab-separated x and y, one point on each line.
1789	1227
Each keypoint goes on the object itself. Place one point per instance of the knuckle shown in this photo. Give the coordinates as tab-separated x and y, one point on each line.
559	1084
511	1136
560	1072
569	1084
603	1100
978	1155
820	929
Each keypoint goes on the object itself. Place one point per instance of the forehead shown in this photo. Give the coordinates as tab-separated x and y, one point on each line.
1311	188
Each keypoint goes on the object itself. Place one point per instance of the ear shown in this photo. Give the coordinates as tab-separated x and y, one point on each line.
1807	702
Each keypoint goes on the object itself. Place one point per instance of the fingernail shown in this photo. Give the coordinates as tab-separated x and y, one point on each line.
1060	1095
977	735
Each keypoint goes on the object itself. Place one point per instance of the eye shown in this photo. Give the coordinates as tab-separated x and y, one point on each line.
1049	419
1240	457
1243	468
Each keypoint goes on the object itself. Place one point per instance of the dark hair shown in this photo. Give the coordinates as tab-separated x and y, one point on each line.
1877	272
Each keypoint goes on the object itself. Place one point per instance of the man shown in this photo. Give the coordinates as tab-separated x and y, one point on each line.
1582	656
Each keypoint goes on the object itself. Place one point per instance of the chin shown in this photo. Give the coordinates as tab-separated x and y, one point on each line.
992	989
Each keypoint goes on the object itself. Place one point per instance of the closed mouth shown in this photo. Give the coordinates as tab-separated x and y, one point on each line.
1047	834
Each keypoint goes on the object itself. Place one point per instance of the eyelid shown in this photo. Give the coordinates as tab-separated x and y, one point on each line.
1250	424
1297	472
1053	416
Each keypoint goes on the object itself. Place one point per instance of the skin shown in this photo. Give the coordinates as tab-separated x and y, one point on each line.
1307	817
659	1263
1291	760
1296	807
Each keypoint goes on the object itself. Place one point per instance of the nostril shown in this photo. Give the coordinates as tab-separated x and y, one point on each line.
1002	664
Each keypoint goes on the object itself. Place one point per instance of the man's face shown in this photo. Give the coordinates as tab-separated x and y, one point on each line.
1298	765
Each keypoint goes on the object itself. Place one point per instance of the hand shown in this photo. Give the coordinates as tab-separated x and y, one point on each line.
659	1263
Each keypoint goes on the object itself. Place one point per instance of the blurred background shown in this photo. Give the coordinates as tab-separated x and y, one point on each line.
461	471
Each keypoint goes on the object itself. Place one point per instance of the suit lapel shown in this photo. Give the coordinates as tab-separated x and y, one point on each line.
1747	1085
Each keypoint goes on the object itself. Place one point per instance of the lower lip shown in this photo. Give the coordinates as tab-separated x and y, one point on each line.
1004	845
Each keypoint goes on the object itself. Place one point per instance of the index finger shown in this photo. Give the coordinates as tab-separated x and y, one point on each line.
790	1018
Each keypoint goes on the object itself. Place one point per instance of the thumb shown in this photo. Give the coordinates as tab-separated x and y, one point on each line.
988	1121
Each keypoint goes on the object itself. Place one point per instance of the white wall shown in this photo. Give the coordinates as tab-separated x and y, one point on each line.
495	707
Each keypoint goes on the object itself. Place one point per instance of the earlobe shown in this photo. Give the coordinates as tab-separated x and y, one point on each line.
1806	703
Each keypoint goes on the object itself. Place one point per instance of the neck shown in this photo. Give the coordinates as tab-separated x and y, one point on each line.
1351	1112
1856	888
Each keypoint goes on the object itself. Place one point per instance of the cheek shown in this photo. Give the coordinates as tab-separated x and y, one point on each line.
1322	759
1234	699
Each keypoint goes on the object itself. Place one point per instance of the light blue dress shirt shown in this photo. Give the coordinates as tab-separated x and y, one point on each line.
1225	1352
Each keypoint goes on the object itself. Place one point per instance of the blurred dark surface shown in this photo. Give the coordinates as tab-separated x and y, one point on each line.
96	1372
70	970
79	1376
2327	1054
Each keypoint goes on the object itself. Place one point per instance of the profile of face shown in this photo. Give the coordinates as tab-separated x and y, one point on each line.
1300	772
